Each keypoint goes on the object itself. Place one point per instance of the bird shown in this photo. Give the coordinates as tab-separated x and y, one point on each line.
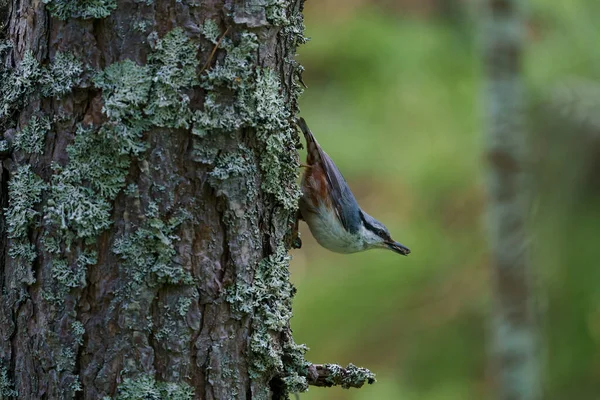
331	211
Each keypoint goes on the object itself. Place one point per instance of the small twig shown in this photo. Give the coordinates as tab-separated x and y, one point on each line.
334	375
214	50
301	80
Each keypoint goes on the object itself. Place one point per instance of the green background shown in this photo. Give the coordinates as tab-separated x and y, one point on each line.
396	98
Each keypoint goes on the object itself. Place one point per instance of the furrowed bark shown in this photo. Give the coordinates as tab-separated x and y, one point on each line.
148	201
515	335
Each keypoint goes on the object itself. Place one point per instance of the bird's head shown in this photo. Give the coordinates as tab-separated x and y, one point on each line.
376	236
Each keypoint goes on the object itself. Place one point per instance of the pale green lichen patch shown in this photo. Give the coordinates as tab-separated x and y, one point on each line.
19	83
5	45
24	192
351	376
294	31
211	30
259	104
236	70
4	146
81	193
68	275
233	75
29	78
295	366
148	253
138	97
236	167
174	65
61	75
72	276
272	298
79	203
269	300
6	386
276	11
278	160
145	386
75	210
85	9
31	138
183	305
96	159
125	88
78	330
241	96
22	250
125	91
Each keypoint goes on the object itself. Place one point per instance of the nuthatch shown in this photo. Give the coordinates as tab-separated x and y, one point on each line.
331	211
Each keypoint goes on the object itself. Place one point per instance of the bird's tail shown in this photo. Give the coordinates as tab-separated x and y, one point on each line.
312	147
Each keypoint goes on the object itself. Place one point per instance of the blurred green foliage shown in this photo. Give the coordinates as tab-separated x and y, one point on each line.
395	98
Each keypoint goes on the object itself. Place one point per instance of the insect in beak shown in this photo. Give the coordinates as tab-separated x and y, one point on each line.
398	248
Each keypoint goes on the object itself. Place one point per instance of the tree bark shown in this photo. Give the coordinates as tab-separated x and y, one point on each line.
148	190
515	341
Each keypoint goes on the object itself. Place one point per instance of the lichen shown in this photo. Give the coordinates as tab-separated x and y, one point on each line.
148	253
236	167
75	211
278	159
97	159
24	192
17	86
269	301
82	191
5	45
138	97
210	30
61	75
125	90
183	305
293	29
31	138
146	387
65	360
295	366
72	276
142	25
78	330
234	75
79	202
351	376
174	65
24	253
29	77
6	386
276	11
258	104
19	83
84	9
4	147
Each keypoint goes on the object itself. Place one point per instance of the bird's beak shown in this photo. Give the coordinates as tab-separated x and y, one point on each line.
398	248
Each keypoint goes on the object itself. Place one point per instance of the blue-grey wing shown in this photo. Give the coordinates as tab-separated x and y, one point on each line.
342	197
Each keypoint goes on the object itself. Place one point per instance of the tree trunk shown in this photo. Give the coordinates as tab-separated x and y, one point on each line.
515	342
149	187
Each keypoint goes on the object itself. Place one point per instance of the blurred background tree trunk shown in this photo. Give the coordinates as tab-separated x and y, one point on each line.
148	188
515	333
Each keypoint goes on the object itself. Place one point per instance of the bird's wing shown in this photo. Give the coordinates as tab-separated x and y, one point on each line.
343	199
